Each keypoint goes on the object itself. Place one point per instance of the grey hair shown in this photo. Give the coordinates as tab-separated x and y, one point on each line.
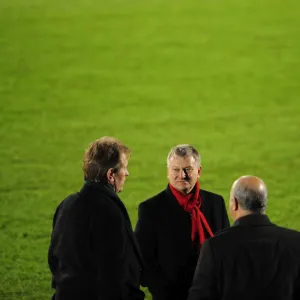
251	199
185	150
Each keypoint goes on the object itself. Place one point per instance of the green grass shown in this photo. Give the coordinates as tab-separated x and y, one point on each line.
221	75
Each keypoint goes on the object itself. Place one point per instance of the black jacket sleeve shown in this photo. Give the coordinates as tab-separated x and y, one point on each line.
146	234
204	285
225	219
108	246
52	259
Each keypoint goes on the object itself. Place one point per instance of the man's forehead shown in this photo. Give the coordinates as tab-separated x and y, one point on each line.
185	161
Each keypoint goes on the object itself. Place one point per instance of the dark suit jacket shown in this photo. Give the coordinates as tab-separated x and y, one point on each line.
93	254
163	231
253	260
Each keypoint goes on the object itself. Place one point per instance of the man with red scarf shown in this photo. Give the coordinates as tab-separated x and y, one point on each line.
173	225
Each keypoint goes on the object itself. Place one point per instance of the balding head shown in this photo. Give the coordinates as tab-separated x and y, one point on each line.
249	194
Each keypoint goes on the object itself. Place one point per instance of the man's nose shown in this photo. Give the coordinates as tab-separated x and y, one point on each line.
183	174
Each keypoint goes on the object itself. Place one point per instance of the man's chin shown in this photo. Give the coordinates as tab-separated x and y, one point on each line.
184	189
184	185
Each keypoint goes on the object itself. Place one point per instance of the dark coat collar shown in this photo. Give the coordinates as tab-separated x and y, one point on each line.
255	219
101	186
108	190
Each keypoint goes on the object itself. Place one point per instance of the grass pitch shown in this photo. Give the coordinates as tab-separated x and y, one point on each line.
221	75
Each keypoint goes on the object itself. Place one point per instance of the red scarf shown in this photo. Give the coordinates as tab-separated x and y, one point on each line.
191	203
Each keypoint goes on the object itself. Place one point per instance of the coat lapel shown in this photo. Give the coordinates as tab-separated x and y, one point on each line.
179	223
206	206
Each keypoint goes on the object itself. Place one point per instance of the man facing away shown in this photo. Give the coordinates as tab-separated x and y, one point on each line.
252	260
93	254
174	224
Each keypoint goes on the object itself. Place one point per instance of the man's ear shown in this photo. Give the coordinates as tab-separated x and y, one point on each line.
199	171
109	175
235	204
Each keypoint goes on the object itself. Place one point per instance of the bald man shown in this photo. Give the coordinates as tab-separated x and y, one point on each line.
252	260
